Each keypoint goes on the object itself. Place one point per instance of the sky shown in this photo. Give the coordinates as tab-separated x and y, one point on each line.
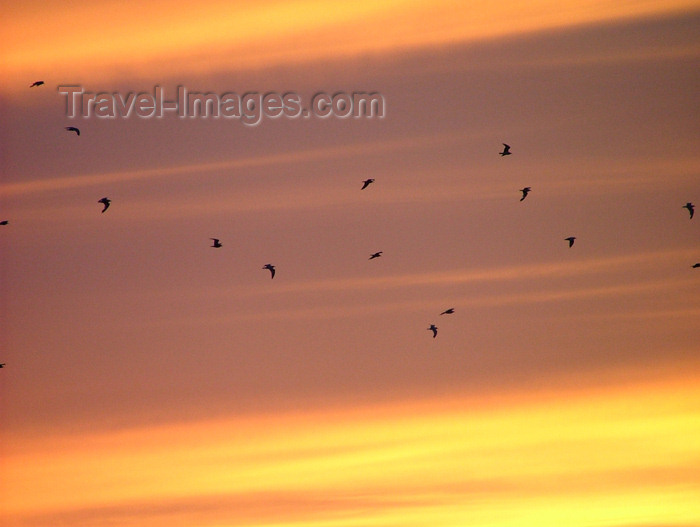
153	380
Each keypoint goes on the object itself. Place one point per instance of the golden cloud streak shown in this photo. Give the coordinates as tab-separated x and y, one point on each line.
164	39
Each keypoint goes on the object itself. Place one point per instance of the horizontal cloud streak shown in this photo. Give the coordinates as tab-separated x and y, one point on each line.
463	287
494	274
314	154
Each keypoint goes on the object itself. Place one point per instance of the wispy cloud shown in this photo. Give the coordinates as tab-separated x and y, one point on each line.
542	283
293	157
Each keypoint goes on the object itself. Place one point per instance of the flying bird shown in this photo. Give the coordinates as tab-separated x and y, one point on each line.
216	243
448	311
696	265
4	222
570	239
433	328
2	365
105	202
73	129
525	192
506	150
271	268
376	255
366	183
36	83
691	209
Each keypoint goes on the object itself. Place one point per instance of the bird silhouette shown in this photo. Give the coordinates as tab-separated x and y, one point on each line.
73	129
506	150
36	83
691	209
433	328
105	202
376	255
448	311
4	222
366	183
216	243
2	365
570	239
696	265
271	269
525	192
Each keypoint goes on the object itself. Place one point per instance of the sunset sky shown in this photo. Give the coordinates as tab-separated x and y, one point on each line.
152	380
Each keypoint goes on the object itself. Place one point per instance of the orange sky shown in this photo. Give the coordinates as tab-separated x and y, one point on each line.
555	456
153	380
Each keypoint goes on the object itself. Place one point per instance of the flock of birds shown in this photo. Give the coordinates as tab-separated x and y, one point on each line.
216	242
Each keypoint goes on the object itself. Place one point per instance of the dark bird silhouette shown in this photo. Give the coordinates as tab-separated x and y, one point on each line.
433	328
691	209
4	222
105	202
506	150
696	265
216	243
271	268
73	129
36	83
525	192
376	255
2	365
570	239
366	183
448	311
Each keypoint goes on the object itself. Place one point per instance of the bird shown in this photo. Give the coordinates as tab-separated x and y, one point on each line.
105	202
376	255
73	129
570	239
36	83
448	311
525	192
506	150
696	265
4	222
2	365
366	183
216	243
271	268
691	209
433	328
